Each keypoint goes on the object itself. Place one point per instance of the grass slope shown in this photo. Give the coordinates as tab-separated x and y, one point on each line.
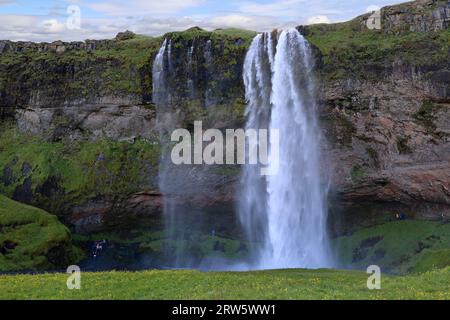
31	238
398	246
279	284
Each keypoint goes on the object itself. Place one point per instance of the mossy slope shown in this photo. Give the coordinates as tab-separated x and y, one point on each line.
399	246
32	239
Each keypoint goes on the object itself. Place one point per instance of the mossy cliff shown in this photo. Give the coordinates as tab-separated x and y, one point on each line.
84	142
383	94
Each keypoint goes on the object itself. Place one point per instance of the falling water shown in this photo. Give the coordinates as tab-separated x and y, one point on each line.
184	223
166	120
285	214
190	72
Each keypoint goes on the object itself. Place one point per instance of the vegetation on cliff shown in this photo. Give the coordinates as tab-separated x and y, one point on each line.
349	50
32	239
59	175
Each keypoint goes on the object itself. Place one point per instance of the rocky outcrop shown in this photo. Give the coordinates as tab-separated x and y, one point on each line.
7	46
418	16
386	115
123	123
95	215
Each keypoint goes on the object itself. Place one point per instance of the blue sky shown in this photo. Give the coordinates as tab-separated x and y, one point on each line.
47	20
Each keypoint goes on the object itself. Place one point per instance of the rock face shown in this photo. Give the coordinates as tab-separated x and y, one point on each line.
384	98
420	16
386	115
123	123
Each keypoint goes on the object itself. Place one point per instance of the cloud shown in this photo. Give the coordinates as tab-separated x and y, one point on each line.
318	19
53	26
277	8
372	8
142	6
103	20
240	21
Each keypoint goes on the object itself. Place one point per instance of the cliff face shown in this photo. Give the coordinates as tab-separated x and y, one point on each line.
384	97
88	141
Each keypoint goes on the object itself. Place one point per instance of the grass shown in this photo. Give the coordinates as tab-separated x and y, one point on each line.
398	246
27	236
279	284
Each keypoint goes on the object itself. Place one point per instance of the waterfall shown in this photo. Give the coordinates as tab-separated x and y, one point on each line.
159	87
285	214
166	122
183	223
190	72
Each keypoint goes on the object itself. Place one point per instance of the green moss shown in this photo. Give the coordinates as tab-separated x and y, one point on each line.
239	108
425	116
399	246
115	68
357	173
228	35
73	172
228	170
32	239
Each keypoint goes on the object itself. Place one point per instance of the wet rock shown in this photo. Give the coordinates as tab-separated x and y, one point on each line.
378	255
359	255
58	256
7	177
7	246
24	193
218	246
26	169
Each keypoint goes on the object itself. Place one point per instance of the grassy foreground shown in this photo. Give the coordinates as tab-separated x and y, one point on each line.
279	284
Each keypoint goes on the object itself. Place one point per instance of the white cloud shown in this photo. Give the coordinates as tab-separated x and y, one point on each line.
240	21
116	7
318	19
53	26
372	8
277	8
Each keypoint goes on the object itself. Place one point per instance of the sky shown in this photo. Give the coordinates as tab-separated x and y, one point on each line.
75	20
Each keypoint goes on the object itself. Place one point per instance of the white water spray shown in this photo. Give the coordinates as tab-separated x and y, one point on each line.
285	214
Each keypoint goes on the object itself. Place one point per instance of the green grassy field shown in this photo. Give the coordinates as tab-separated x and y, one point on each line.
280	284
